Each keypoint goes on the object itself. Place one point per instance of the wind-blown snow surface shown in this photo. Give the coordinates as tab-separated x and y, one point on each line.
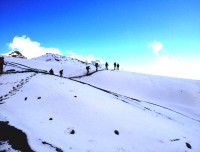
47	108
182	95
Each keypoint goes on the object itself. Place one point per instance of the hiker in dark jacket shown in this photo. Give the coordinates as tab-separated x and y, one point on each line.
106	65
96	65
61	73
1	64
117	66
87	68
114	65
51	72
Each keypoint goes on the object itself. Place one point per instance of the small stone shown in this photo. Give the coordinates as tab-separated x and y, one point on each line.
188	145
72	132
116	132
25	98
39	98
50	118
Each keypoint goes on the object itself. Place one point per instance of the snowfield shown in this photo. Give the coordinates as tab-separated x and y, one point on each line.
108	111
182	95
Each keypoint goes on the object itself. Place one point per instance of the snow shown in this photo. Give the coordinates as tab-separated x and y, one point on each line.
70	66
182	95
31	99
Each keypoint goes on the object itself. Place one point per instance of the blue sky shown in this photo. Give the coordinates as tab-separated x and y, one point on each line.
125	31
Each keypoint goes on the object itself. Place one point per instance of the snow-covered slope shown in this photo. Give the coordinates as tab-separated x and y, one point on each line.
182	95
60	114
70	66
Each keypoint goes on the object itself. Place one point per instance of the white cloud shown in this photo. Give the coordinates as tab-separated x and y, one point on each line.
88	58
172	66
71	53
168	65
177	67
156	47
30	49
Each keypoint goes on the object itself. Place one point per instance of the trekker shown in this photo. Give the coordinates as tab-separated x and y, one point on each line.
115	65
1	64
51	72
61	73
106	65
87	68
96	65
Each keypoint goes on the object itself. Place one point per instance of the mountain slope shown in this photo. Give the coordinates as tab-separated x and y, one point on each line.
59	114
182	95
71	67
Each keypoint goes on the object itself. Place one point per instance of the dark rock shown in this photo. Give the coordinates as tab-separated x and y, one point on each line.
116	132
75	96
17	54
50	118
174	140
15	137
25	98
39	98
188	145
59	150
72	132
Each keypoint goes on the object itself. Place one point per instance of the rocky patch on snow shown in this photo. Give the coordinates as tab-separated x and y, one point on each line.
14	137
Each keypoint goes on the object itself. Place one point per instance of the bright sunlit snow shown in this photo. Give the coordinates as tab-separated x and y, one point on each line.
108	111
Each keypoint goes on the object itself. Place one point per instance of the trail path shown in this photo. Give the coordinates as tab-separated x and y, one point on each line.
126	99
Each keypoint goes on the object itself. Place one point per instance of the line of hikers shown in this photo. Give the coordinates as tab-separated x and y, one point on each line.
52	73
116	67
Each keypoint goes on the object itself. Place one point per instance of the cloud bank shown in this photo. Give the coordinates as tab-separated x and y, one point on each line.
29	48
168	65
88	58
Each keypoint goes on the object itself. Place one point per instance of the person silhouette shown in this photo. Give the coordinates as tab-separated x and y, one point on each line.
1	64
106	65
61	73
115	65
96	65
87	68
51	71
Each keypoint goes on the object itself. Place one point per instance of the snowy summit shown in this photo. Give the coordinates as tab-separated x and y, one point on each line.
103	111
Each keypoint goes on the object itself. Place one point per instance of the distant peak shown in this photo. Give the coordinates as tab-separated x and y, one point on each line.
16	54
